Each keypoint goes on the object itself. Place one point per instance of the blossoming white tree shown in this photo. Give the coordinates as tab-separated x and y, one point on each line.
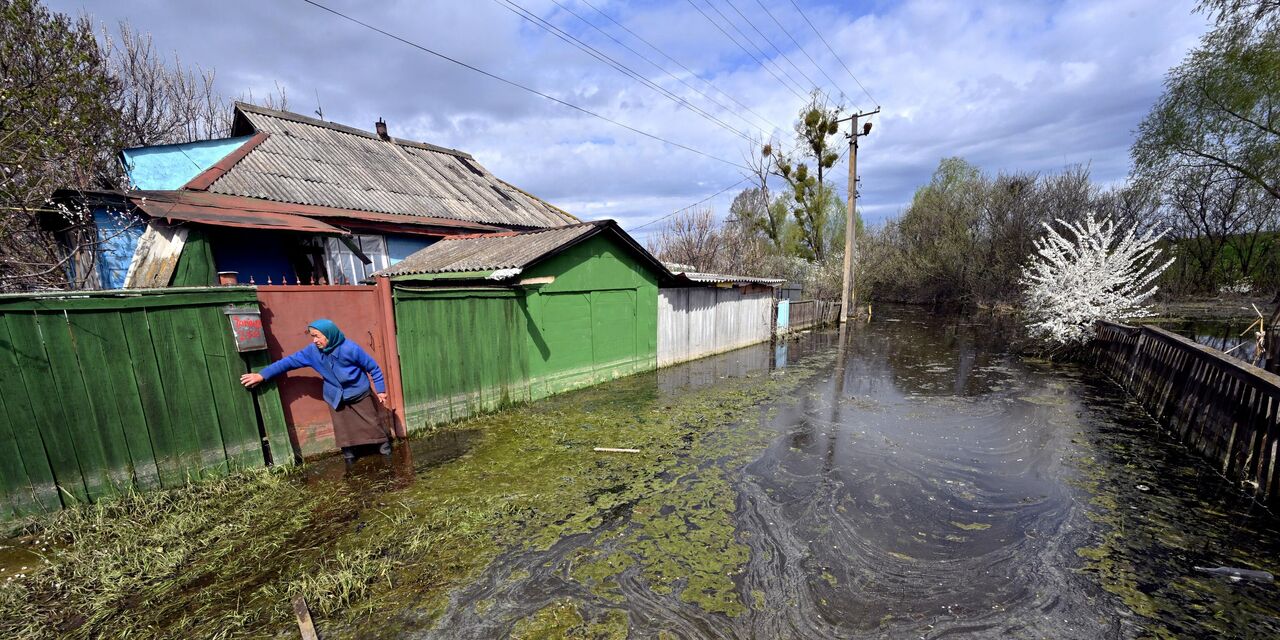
1092	272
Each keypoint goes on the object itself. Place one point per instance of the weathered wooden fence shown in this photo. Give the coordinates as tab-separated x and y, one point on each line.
698	321
1223	407
805	314
102	392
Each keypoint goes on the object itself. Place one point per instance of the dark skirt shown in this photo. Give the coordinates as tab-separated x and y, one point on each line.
359	422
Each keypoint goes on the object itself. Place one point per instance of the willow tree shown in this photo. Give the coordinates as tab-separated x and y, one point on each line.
1221	106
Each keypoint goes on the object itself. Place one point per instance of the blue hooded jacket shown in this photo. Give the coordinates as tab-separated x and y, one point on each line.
344	370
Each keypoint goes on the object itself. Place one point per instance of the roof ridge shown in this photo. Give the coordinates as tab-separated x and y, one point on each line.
343	128
527	232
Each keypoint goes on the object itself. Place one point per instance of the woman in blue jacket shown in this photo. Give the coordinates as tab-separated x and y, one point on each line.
346	370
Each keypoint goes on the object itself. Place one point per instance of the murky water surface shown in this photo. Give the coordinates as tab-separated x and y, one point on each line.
921	482
1233	337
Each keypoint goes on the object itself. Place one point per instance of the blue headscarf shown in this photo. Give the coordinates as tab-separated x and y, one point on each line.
330	331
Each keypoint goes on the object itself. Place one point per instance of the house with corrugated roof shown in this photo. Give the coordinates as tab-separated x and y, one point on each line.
292	199
490	319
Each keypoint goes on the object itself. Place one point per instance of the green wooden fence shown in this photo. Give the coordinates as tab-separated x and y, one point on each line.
106	391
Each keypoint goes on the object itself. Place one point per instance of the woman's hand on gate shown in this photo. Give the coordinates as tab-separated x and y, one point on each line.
250	380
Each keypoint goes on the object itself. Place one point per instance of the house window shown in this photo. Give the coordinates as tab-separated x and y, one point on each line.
343	265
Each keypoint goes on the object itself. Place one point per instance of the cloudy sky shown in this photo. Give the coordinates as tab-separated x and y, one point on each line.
1023	85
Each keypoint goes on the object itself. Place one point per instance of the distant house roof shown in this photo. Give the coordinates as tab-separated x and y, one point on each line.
720	278
302	160
503	255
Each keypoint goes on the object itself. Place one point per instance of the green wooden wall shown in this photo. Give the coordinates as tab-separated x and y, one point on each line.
463	351
103	392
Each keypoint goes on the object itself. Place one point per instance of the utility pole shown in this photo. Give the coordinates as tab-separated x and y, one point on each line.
848	293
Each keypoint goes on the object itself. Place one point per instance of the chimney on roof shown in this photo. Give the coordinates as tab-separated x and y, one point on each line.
381	128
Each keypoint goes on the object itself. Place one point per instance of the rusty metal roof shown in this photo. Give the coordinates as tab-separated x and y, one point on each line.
312	162
196	207
512	251
254	206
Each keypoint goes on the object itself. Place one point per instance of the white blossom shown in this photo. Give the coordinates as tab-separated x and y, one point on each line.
1093	272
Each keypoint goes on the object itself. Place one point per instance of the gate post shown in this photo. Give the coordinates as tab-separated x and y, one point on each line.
391	370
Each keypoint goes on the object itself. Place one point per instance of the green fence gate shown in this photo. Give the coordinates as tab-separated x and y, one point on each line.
106	391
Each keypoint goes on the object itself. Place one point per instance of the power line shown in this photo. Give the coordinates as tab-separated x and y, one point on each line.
681	65
568	38
815	64
517	85
763	55
774	46
655	65
833	52
744	49
710	197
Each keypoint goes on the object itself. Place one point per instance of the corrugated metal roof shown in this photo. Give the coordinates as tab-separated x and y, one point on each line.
309	161
720	278
493	251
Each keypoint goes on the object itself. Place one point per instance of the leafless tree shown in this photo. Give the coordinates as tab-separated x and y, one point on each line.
691	237
160	100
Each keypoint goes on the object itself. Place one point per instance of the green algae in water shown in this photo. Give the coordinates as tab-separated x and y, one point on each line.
970	526
563	619
355	549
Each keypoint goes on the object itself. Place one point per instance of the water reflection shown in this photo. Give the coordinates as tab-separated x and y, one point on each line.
1233	337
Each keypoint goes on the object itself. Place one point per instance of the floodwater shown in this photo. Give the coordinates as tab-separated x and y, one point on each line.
921	482
908	478
1233	337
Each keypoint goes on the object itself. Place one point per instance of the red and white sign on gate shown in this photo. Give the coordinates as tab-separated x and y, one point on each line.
246	326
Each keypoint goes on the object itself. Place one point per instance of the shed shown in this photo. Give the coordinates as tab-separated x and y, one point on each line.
700	314
485	320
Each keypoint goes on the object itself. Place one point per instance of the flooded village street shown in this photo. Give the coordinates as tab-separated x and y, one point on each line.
921	481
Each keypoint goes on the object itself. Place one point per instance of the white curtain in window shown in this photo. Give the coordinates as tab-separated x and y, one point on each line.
343	265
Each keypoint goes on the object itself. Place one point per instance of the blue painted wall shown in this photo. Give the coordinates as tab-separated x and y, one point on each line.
170	166
401	247
118	235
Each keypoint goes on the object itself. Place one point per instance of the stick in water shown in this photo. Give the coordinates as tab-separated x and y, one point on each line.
613	450
303	614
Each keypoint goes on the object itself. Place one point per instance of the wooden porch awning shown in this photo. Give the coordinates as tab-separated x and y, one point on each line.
226	211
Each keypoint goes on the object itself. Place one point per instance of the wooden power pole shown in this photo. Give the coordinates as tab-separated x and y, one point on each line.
848	295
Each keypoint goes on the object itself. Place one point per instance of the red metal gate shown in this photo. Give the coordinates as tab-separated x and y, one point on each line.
364	314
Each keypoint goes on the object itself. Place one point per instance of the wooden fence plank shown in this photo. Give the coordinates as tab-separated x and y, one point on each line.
28	437
267	397
188	441
145	356
128	395
90	331
196	392
236	419
50	418
96	450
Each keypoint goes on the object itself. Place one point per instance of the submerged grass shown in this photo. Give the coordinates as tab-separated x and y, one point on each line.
224	558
